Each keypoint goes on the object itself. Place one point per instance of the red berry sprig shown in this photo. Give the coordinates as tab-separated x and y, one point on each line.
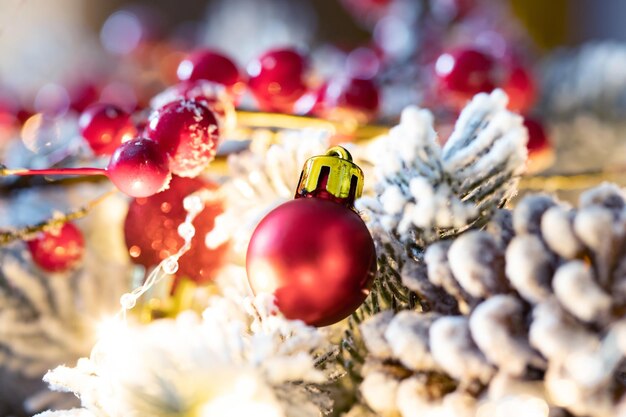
183	140
57	250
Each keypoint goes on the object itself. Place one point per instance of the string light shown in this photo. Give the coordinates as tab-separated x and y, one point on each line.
193	205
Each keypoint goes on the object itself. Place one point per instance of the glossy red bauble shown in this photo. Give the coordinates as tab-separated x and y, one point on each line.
187	131
463	73
105	127
316	256
276	79
59	249
150	230
206	64
139	168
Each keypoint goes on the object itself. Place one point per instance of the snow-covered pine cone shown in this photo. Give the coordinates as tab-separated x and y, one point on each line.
542	291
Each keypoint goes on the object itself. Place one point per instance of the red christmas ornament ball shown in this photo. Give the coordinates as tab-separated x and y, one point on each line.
150	230
139	168
276	79
188	132
59	249
206	64
463	73
316	256
105	127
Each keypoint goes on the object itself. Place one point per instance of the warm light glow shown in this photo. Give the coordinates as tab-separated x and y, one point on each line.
264	277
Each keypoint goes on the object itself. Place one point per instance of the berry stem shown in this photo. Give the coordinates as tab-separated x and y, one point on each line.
26	232
52	171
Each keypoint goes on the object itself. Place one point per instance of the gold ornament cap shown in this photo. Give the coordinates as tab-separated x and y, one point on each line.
331	176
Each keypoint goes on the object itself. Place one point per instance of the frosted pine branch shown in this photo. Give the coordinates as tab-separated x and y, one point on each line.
541	294
424	192
50	319
232	361
583	97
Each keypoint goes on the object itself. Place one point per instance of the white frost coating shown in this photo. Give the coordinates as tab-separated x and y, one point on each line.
392	200
474	258
407	335
373	331
528	267
554	335
495	327
577	291
413	401
558	232
229	361
454	351
379	391
594	226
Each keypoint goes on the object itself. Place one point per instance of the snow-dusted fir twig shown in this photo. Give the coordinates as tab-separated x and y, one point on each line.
585	80
48	319
584	102
425	192
542	291
233	361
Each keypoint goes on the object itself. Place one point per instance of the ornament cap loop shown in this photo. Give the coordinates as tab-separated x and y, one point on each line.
331	176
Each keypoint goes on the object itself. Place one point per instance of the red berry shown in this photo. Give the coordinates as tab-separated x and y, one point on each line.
540	152
105	127
82	96
210	94
276	79
464	73
521	89
187	132
150	230
139	168
350	98
59	249
206	64
537	138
